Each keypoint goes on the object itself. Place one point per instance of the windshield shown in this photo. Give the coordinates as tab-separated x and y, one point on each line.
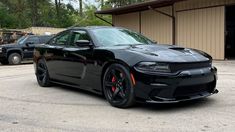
21	40
119	36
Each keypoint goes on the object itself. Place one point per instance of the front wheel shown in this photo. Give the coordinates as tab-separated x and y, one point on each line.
42	74
118	87
14	59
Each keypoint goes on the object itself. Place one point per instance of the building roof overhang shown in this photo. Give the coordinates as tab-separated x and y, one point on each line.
138	7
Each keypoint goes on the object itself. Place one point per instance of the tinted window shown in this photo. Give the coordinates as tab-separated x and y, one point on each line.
21	40
118	36
79	35
33	40
61	39
44	39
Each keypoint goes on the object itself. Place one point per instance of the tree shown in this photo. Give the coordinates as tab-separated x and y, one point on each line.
26	13
80	8
34	11
90	18
118	3
57	7
6	20
102	4
20	11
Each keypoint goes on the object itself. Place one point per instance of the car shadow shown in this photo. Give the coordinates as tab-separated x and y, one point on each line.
199	103
187	105
23	63
79	91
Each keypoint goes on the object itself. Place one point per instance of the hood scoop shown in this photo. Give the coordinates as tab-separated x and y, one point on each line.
183	50
177	48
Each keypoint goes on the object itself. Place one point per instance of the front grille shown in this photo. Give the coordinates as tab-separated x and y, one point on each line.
194	89
187	66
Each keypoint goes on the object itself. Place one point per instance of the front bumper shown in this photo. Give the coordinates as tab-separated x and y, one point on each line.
2	56
183	86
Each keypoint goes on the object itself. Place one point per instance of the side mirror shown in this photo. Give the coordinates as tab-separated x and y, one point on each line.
83	43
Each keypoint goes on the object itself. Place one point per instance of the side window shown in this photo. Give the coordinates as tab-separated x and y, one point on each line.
78	35
45	39
32	40
60	39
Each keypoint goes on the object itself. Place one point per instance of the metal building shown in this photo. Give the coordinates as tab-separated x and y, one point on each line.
208	25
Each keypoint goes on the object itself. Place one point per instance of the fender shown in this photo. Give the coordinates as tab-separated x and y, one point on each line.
19	50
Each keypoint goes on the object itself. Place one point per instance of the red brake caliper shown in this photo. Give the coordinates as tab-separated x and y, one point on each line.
113	80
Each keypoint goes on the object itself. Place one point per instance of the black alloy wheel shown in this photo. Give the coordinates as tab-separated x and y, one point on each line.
118	87
42	74
14	59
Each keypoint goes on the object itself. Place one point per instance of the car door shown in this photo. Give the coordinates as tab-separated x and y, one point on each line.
78	59
29	45
55	56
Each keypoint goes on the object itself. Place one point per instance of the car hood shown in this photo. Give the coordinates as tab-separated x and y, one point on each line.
9	45
164	53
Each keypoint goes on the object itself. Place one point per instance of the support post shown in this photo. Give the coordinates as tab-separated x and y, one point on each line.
173	21
103	19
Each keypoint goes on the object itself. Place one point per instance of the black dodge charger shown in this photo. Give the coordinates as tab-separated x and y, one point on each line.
124	66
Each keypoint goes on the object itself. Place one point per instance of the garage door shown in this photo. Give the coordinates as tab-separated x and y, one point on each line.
202	29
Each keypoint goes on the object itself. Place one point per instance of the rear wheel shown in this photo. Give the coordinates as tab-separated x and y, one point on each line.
118	87
14	59
42	74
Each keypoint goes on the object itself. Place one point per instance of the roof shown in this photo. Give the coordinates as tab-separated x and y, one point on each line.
138	7
88	27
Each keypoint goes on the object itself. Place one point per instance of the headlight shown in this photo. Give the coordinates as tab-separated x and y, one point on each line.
153	67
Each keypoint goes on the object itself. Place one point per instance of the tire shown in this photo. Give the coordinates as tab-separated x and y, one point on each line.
14	59
42	75
117	86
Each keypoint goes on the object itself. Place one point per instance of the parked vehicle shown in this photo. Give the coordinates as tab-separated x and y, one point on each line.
124	66
21	50
8	37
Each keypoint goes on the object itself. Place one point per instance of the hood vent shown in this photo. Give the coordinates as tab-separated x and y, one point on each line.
177	48
180	49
